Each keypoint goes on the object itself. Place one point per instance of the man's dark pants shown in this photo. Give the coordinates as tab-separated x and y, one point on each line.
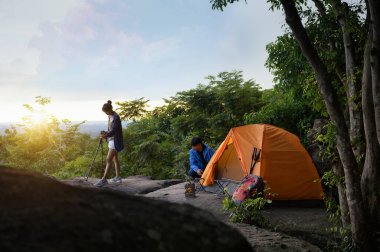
193	174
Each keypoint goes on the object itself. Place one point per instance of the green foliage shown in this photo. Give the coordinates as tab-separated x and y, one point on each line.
327	139
209	111
330	179
221	4
292	74
149	151
78	165
340	239
74	168
284	110
41	100
132	110
158	143
291	70
248	212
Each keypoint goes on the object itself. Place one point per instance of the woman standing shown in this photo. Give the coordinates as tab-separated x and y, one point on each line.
114	137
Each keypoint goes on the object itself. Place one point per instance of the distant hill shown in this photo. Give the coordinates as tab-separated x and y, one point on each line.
92	128
3	126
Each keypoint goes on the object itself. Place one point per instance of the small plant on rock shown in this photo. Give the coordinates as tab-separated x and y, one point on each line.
249	211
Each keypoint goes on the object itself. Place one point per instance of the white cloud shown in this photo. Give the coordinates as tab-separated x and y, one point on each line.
20	22
157	49
90	37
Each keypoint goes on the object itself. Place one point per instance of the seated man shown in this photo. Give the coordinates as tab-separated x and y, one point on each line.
200	155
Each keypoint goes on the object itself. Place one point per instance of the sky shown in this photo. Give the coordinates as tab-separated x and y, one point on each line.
81	53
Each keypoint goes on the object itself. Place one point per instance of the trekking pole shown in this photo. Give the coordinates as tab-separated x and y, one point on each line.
255	157
252	158
102	150
93	160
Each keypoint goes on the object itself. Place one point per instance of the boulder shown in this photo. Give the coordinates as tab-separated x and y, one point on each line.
38	213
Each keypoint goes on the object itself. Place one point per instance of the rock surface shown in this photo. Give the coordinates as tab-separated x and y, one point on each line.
306	223
41	214
260	239
132	185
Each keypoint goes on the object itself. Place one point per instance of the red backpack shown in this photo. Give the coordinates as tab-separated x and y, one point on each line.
251	185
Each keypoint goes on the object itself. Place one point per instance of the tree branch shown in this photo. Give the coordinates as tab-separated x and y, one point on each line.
321	8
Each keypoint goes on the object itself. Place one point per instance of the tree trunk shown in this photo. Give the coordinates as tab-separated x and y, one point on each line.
345	214
351	173
339	71
374	9
371	174
352	85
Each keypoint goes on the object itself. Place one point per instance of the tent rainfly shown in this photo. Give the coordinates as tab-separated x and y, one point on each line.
284	164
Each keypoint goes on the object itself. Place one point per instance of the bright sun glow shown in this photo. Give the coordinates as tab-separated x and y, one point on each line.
72	110
38	117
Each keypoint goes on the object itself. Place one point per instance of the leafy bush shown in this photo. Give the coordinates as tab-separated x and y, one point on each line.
340	239
248	212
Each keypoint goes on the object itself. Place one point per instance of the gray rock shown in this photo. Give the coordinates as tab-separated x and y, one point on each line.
38	213
132	185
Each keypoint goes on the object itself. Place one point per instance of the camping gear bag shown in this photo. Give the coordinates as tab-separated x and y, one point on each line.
190	189
249	187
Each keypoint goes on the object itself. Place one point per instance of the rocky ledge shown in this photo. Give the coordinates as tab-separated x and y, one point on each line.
38	213
141	214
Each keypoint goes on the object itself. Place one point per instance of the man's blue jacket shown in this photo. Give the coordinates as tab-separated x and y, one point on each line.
196	161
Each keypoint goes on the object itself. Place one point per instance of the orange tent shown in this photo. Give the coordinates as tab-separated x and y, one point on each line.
284	164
